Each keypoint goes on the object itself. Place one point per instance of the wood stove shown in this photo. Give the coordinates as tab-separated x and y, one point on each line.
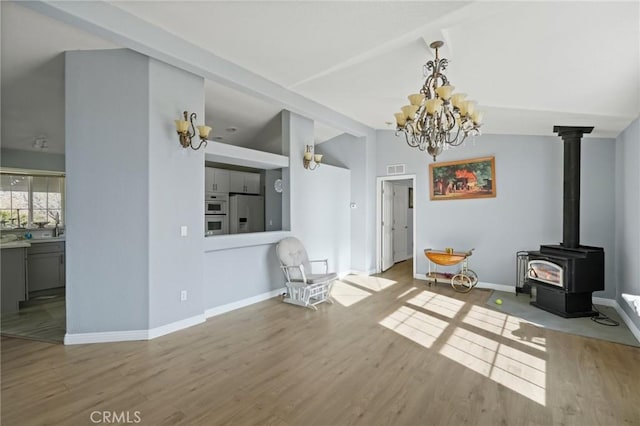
566	275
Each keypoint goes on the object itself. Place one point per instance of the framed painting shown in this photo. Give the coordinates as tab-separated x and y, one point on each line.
463	179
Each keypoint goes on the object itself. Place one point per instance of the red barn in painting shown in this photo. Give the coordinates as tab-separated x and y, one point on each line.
465	180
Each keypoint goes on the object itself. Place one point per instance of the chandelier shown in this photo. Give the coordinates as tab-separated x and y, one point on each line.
436	117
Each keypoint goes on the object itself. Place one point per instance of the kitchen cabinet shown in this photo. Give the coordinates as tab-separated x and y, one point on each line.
45	266
13	278
216	180
244	182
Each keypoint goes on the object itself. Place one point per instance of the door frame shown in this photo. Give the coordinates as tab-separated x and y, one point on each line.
379	181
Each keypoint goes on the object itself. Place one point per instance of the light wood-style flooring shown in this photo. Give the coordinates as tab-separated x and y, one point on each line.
390	351
41	319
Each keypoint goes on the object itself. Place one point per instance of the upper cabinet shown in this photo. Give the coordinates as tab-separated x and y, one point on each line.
216	180
244	182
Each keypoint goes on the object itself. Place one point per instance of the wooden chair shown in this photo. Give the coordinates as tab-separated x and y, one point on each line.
304	288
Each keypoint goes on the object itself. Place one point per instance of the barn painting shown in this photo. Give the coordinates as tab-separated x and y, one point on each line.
463	179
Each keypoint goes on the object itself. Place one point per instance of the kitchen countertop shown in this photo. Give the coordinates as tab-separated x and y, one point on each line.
46	240
15	244
28	243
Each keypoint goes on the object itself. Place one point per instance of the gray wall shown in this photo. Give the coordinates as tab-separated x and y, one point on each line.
527	211
241	273
627	204
319	216
319	200
350	152
176	188
597	204
32	160
130	187
270	137
107	191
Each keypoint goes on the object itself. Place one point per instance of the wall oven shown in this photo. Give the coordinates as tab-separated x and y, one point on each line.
216	224
216	203
216	214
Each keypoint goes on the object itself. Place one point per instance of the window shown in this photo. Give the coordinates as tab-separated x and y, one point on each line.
30	200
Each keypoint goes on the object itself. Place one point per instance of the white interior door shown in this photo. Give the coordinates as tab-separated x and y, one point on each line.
400	228
387	225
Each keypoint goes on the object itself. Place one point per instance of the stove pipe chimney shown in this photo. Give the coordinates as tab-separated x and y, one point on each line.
572	137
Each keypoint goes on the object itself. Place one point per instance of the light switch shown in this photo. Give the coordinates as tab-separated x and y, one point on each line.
183	231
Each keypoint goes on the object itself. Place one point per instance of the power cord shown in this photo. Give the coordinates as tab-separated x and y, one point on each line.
602	319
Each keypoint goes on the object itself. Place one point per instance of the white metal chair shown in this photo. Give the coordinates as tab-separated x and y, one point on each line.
304	288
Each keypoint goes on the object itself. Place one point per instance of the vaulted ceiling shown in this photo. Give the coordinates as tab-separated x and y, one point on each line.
530	65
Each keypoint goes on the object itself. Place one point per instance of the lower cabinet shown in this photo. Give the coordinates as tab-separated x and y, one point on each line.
45	266
12	280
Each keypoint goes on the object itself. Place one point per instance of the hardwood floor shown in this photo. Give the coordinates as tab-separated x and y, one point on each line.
43	320
390	351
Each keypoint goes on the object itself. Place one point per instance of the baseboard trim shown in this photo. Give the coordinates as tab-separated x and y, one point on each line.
361	273
499	287
219	310
131	335
176	326
630	299
604	302
105	337
627	320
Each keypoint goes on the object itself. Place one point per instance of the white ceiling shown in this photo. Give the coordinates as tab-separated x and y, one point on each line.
530	65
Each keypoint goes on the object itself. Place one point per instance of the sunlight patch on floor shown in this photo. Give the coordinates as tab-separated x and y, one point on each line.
404	293
514	369
510	327
346	294
414	325
437	303
371	283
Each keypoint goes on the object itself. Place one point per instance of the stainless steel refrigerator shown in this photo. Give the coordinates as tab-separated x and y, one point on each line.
246	213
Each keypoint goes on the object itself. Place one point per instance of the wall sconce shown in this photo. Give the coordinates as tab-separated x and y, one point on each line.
310	160
182	126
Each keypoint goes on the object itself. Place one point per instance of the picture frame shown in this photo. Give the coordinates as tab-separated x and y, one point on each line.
410	198
463	179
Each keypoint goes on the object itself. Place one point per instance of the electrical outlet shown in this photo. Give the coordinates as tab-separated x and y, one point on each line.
183	231
183	295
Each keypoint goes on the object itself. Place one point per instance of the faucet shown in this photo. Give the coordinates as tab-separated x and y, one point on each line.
19	223
56	217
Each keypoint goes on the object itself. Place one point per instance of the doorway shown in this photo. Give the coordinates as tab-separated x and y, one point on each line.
395	221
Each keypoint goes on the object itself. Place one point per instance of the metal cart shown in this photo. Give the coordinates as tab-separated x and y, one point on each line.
463	281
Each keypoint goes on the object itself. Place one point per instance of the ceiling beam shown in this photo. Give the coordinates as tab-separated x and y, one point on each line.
433	30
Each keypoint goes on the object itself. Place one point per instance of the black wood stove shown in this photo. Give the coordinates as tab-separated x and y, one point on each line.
565	275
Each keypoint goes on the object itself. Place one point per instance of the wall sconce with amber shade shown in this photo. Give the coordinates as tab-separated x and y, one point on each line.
311	161
186	136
